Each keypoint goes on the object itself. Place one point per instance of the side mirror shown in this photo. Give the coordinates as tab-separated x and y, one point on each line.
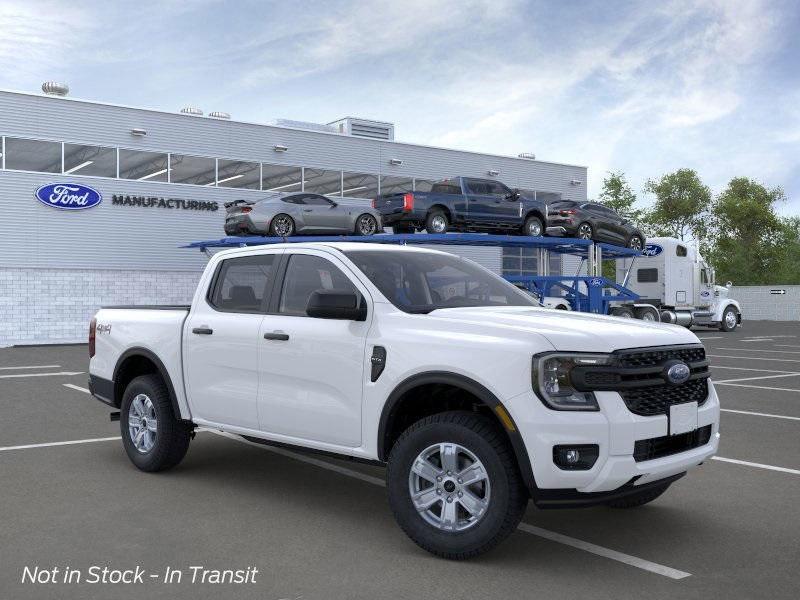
334	204
336	304
513	196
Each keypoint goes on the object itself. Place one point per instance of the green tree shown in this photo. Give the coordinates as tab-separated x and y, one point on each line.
681	206
751	244
618	195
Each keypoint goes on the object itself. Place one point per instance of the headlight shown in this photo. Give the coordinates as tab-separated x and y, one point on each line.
553	385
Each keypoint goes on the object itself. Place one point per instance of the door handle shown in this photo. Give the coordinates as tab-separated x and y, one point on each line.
202	331
307	210
281	337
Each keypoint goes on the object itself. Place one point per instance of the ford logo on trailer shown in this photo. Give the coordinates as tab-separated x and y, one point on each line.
595	282
68	196
652	250
678	373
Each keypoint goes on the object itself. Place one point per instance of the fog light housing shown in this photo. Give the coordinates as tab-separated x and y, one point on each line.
576	458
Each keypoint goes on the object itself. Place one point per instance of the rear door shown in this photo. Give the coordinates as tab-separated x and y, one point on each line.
480	201
312	370
221	341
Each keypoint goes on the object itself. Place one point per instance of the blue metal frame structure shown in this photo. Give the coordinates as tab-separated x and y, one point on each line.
584	293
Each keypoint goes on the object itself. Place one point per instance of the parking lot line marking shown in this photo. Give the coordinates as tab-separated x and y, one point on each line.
77	388
787	346
537	531
711	337
760	350
758	414
757	465
759	377
758	387
16	375
752	369
51	444
31	367
757	340
754	358
605	552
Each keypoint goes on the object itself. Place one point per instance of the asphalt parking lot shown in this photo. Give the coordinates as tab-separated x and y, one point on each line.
321	528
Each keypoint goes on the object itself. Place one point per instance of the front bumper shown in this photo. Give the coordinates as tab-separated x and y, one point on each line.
615	430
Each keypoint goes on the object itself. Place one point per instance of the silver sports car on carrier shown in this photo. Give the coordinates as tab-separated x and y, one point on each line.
284	215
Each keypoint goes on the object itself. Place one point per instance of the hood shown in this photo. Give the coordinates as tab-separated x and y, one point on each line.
721	291
574	331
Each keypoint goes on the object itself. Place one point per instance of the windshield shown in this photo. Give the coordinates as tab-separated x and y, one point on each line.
419	282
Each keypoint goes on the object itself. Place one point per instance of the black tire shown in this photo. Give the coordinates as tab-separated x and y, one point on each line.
275	226
361	226
434	219
585	231
489	444
533	227
639	499
635	242
404	228
622	311
724	325
172	435
648	314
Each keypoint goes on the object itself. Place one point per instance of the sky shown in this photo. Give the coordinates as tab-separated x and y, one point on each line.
639	87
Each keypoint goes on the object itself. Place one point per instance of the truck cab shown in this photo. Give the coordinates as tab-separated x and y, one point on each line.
672	276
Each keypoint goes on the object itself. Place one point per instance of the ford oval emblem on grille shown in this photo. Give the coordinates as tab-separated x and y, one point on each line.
678	373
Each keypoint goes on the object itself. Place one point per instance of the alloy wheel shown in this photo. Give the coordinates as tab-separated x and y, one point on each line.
635	243
439	224
367	225
585	231
534	228
283	226
730	319
142	423
449	487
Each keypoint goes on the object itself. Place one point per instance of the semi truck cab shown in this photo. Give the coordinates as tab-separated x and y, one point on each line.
672	276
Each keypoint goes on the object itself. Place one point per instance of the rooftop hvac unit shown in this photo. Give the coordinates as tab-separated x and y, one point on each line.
53	88
192	110
527	155
376	130
219	115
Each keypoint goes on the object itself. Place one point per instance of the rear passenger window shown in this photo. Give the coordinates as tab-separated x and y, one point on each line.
647	275
446	187
242	284
305	275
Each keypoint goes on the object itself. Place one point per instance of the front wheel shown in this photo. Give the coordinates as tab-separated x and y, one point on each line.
454	486
729	319
154	439
533	227
366	225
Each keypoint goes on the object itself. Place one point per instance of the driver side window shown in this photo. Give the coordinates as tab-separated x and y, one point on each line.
305	275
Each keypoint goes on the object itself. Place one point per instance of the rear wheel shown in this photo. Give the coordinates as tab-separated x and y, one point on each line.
585	231
648	314
729	319
154	439
622	311
366	224
533	227
635	242
436	222
454	486
281	225
639	499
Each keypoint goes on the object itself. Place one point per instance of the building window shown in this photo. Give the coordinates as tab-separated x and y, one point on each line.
97	161
279	178
321	181
238	174
396	185
359	185
33	155
195	170
143	166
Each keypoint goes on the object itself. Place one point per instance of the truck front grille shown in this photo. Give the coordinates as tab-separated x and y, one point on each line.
670	444
656	400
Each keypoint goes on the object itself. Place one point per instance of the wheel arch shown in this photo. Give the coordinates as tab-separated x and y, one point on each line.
427	383
444	208
141	361
535	212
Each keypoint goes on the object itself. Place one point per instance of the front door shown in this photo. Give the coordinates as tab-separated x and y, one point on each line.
221	341
312	370
324	215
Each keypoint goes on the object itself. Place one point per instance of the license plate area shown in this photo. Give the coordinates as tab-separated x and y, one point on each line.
682	418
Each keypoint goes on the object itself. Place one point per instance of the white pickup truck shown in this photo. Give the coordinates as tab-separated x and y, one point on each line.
476	398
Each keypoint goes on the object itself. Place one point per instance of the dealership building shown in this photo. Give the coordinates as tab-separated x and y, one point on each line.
161	180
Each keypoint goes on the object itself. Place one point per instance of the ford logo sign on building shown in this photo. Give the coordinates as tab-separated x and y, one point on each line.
68	196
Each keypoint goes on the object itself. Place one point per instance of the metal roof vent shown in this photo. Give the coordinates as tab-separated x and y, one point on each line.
527	155
53	88
219	115
375	130
302	125
191	110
